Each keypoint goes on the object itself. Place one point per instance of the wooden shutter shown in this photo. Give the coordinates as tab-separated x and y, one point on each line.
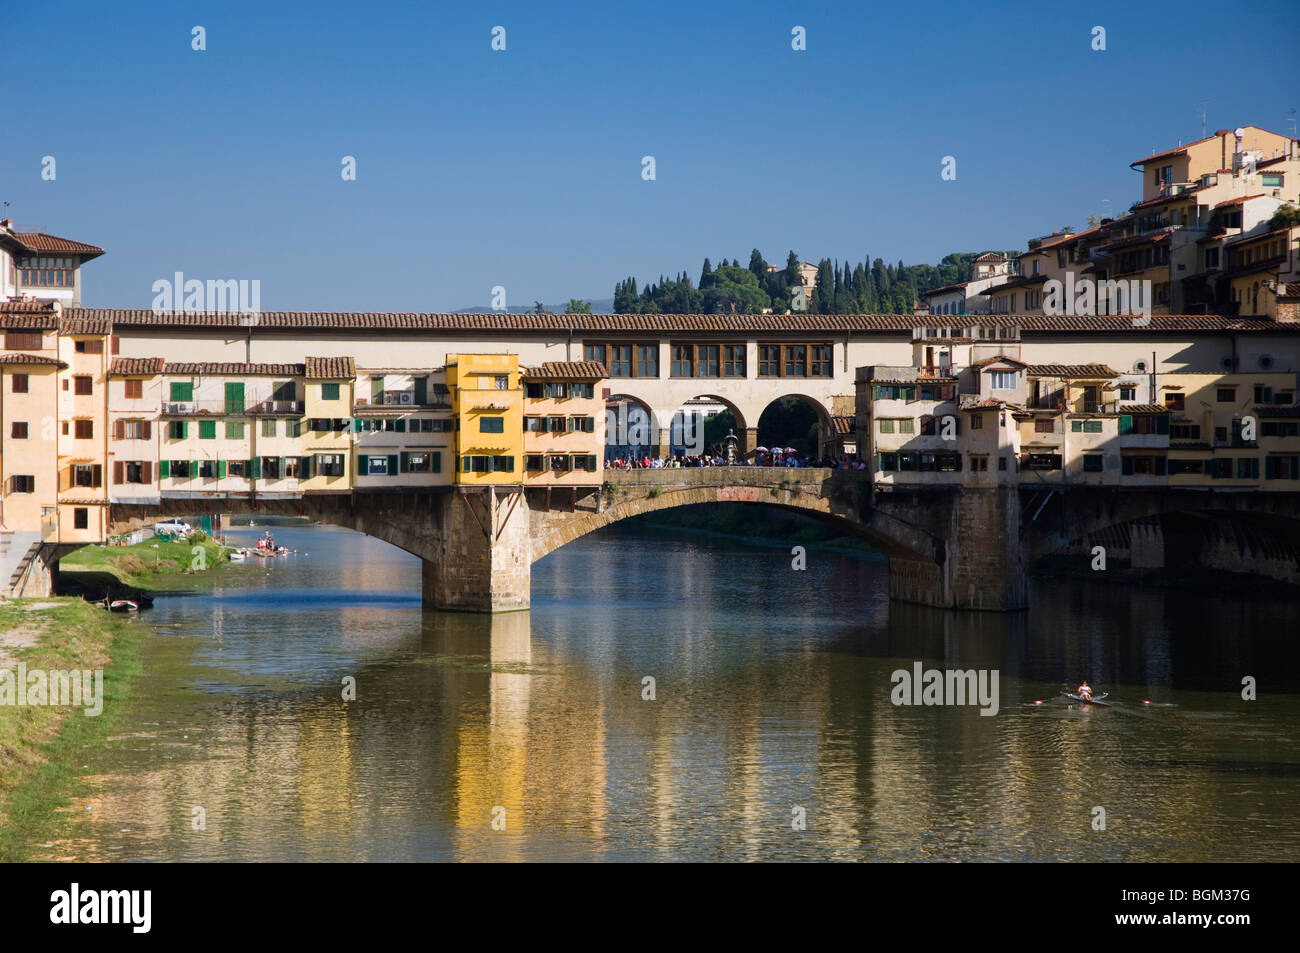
405	462
363	464
97	475
392	464
119	471
115	343
591	462
164	469
1162	423
1126	424
119	431
401	425
1126	466
146	472
146	430
221	469
437	461
1162	466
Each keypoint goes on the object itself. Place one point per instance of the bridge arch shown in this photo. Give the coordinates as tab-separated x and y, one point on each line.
785	404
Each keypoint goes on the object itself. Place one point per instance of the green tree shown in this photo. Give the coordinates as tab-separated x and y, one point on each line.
577	306
1285	217
539	308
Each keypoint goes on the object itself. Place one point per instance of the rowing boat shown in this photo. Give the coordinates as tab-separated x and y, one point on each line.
1095	700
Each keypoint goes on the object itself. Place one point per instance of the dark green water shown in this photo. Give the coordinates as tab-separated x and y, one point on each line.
772	692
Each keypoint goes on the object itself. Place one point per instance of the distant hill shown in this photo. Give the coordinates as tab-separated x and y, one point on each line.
598	306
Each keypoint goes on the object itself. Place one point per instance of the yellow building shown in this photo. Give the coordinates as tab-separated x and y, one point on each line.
564	424
82	435
487	401
327	432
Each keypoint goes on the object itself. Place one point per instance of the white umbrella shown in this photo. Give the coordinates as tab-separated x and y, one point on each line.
760	450
791	450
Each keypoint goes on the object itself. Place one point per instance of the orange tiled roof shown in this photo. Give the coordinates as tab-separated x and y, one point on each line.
592	325
235	368
329	368
567	370
123	366
1142	409
1070	370
1238	201
84	324
16	358
40	242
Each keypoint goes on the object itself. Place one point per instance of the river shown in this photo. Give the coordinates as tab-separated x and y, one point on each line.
772	695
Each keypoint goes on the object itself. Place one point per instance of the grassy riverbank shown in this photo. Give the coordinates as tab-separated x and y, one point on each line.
41	745
153	564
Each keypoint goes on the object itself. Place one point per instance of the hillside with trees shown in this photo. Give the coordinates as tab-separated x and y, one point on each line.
864	287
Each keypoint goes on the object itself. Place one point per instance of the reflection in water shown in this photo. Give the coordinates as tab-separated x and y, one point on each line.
772	692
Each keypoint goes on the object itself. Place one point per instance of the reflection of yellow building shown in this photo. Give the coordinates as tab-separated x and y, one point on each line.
487	400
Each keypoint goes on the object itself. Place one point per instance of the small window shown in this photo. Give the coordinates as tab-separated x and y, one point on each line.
501	382
207	430
83	386
329	391
80	516
268	427
1047	425
235	429
977	423
19	383
1002	380
1092	462
491	425
134	389
85	429
18	430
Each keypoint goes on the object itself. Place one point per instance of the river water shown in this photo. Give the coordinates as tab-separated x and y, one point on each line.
772	695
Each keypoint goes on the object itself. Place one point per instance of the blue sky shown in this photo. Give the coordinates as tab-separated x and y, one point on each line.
523	168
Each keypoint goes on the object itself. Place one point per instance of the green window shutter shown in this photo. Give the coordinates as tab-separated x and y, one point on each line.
437	462
308	467
1076	426
164	469
1162	423
234	397
406	462
1126	466
401	425
356	425
255	468
221	469
392	464
591	463
1125	423
207	430
185	429
1254	468
1295	468
182	390
421	390
1270	468
1162	466
363	464
878	462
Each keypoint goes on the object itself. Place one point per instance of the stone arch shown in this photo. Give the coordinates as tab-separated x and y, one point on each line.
731	405
819	408
838	507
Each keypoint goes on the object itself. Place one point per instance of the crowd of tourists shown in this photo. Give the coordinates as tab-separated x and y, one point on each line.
769	458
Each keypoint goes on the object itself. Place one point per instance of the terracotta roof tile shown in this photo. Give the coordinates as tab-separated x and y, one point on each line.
28	320
593	325
843	425
249	370
567	370
1239	200
40	242
330	368
122	366
13	357
85	324
1142	409
1070	370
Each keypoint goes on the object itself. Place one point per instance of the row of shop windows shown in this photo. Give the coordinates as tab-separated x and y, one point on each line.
713	360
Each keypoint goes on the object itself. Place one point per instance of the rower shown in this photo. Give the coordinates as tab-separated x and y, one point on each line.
1085	693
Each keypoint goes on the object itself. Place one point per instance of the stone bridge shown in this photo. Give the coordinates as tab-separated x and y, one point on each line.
951	546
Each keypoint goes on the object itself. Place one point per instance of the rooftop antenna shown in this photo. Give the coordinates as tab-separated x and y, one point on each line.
1290	118
1203	102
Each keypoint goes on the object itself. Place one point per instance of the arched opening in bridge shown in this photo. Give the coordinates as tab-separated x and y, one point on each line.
797	422
631	431
701	425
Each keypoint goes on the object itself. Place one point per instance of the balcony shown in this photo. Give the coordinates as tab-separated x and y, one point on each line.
230	408
405	398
